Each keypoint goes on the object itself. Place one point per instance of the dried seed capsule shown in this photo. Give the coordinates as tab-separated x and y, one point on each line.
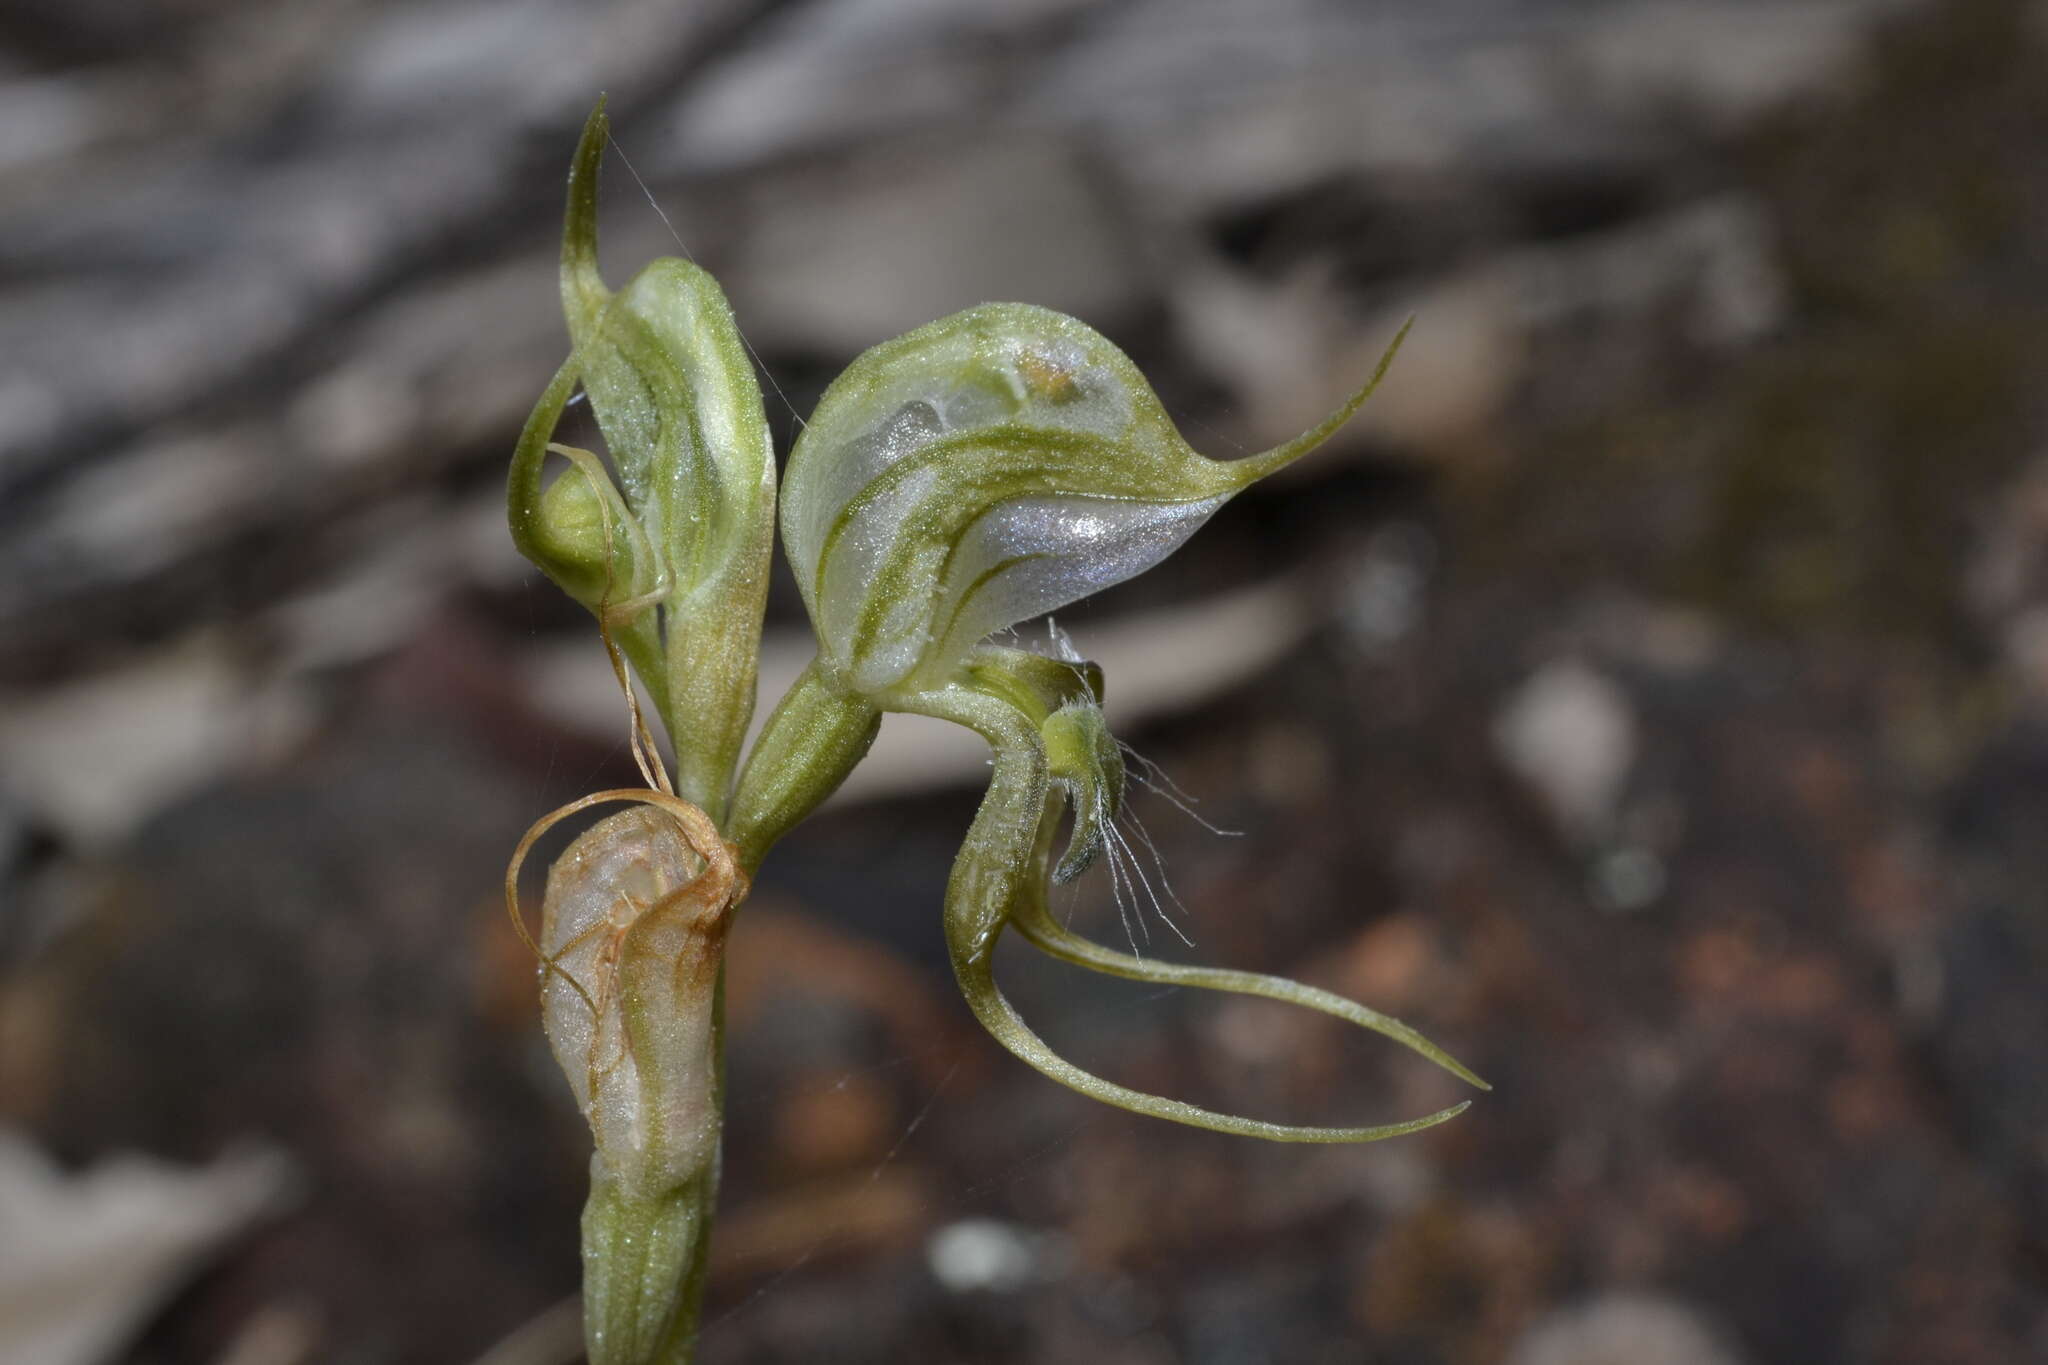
634	925
632	935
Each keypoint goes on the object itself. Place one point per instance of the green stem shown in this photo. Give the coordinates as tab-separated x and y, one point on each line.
646	1255
643	1270
813	739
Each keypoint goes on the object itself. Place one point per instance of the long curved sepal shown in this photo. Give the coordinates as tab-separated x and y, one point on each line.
1036	924
999	878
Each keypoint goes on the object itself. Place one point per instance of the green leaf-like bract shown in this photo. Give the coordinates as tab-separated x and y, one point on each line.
681	573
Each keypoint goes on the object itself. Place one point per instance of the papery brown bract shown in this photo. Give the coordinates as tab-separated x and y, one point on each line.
634	924
632	936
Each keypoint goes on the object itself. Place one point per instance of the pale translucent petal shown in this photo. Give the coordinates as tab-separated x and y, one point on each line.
987	468
1032	555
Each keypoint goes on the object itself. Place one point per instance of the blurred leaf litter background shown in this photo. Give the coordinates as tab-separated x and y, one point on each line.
1646	696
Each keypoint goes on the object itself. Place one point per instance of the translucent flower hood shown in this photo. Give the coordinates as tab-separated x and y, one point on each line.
982	470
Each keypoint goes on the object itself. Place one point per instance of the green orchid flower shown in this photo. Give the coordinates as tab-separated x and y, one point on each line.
974	474
983	470
980	471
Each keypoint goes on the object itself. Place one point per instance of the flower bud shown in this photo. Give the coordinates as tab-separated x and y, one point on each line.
584	529
692	509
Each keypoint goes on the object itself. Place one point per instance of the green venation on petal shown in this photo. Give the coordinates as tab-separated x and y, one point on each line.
984	469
